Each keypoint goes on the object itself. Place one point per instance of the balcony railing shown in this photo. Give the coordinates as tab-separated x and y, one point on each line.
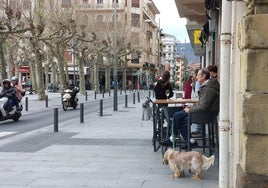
105	6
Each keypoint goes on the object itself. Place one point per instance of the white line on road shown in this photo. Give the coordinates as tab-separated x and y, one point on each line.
6	133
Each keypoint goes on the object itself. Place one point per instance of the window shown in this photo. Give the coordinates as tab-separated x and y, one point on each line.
66	3
99	1
135	3
85	2
135	19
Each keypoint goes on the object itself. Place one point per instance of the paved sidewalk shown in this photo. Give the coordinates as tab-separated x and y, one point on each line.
112	151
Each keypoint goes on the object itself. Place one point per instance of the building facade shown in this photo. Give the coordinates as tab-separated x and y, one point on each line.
168	51
233	36
135	23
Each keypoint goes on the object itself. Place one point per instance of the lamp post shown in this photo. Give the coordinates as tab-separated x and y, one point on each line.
115	103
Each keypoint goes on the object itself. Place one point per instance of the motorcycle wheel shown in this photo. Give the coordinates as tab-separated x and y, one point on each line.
16	117
74	106
64	105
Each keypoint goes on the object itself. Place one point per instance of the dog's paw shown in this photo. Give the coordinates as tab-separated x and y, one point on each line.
196	177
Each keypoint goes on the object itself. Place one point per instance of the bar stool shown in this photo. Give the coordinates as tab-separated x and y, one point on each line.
208	120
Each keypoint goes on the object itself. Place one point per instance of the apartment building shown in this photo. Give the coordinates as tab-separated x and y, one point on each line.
135	24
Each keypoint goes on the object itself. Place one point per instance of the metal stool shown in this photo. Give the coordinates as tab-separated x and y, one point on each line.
207	120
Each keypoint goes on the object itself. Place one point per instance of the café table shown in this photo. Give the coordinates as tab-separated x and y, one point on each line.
158	121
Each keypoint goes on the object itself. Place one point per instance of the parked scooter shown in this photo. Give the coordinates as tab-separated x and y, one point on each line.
69	98
13	114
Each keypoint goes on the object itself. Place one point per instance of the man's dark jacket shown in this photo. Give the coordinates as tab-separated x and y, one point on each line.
209	97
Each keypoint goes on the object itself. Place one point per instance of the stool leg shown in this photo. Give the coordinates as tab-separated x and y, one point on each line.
204	137
210	127
189	135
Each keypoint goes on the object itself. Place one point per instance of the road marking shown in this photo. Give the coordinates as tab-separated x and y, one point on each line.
6	133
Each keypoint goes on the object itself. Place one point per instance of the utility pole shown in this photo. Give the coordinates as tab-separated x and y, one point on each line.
158	49
115	105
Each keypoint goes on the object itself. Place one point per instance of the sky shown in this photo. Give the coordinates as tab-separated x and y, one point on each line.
170	21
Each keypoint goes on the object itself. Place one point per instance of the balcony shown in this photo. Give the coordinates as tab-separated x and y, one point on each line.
194	12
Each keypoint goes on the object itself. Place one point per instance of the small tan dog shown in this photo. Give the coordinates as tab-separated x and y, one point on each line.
192	160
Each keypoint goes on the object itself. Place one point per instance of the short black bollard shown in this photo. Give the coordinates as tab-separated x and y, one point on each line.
81	112
26	104
56	122
101	107
86	96
149	94
46	100
95	94
103	94
138	97
134	98
125	101
109	93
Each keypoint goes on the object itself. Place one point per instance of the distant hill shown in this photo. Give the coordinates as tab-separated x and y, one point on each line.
186	50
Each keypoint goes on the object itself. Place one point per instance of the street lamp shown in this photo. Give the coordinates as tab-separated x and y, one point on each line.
115	105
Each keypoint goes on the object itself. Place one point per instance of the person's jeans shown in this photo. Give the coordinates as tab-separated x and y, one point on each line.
10	104
180	120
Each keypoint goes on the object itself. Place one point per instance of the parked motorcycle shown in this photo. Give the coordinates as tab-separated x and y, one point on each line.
13	114
69	98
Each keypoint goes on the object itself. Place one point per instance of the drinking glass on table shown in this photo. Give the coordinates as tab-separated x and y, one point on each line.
167	92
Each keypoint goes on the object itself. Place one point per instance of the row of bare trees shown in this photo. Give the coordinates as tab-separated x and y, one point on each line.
40	33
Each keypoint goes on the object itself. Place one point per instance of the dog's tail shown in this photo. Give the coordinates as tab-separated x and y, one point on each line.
207	161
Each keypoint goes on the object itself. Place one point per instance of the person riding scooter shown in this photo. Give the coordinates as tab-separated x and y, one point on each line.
20	92
9	92
75	90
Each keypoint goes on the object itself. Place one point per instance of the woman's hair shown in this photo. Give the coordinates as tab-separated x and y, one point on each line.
166	75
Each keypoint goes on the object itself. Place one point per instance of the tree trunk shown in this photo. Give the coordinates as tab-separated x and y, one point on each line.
3	73
80	64
40	76
54	73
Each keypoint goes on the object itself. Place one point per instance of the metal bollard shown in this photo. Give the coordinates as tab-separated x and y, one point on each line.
46	100
86	96
95	94
125	101
133	98
81	112
101	107
26	104
149	94
56	122
109	93
138	97
103	94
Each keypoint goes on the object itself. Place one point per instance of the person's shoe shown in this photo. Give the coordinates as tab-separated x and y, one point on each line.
172	138
166	142
19	108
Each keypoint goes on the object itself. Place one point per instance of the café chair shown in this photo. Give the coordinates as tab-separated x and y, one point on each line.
167	116
208	120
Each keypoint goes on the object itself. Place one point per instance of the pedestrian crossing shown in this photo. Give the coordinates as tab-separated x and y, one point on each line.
6	133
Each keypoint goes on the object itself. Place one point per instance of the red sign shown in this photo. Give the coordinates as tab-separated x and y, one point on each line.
24	69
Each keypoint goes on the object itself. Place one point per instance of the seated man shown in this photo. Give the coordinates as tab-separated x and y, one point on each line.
208	101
